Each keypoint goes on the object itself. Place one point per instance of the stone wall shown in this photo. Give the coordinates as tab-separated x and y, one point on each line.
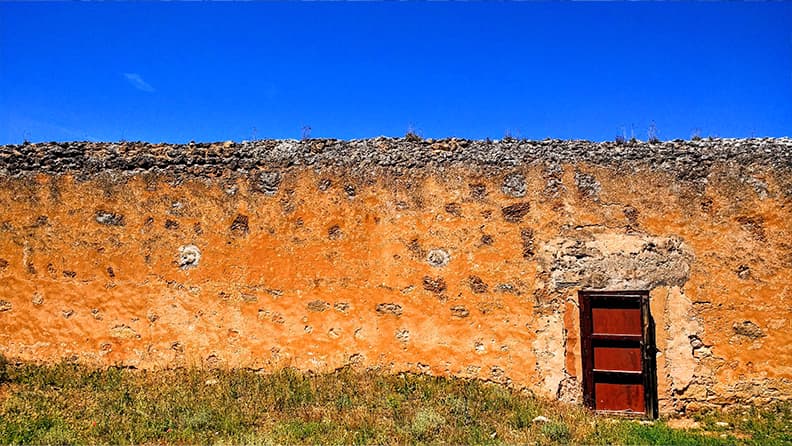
449	257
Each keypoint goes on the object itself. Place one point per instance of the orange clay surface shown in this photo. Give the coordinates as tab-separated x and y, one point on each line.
302	282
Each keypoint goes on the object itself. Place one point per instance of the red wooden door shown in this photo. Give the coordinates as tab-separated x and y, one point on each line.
618	352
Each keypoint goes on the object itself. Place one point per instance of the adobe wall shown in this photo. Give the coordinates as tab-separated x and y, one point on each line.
448	257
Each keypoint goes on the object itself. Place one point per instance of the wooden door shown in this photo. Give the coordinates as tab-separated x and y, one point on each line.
618	352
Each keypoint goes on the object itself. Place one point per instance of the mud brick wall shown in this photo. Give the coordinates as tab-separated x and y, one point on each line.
449	257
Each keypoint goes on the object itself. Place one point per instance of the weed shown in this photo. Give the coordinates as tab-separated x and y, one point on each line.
651	133
621	137
413	137
524	414
509	136
696	135
413	134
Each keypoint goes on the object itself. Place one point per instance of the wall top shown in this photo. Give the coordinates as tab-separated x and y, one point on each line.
688	160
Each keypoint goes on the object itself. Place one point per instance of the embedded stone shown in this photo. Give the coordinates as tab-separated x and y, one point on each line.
188	257
478	191
514	185
240	225
434	284
459	311
527	237
516	212
748	329
587	185
318	305
454	209
403	335
438	258
477	285
389	308
334	233
123	331
109	218
267	183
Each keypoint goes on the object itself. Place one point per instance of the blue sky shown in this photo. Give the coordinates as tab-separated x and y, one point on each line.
177	72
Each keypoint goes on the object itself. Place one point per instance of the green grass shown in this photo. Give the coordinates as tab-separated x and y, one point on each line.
67	404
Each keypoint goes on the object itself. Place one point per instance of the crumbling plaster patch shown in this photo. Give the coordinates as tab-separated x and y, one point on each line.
608	260
548	346
683	331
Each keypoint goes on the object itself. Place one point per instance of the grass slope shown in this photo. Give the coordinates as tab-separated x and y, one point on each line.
66	403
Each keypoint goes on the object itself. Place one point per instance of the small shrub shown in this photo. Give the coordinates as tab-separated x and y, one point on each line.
522	419
426	423
412	136
343	401
304	431
524	415
557	432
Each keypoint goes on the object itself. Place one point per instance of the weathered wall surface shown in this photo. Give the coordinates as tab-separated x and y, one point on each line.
445	257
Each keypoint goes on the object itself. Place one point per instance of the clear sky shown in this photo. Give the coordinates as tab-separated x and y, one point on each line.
177	72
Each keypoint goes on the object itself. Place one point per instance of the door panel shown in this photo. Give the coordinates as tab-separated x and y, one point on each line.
618	359
619	397
616	320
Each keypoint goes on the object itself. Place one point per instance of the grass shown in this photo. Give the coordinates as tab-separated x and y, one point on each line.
66	403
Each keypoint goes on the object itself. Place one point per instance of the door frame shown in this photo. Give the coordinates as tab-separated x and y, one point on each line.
647	343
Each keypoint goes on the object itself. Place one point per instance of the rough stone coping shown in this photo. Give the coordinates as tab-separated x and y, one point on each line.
687	159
